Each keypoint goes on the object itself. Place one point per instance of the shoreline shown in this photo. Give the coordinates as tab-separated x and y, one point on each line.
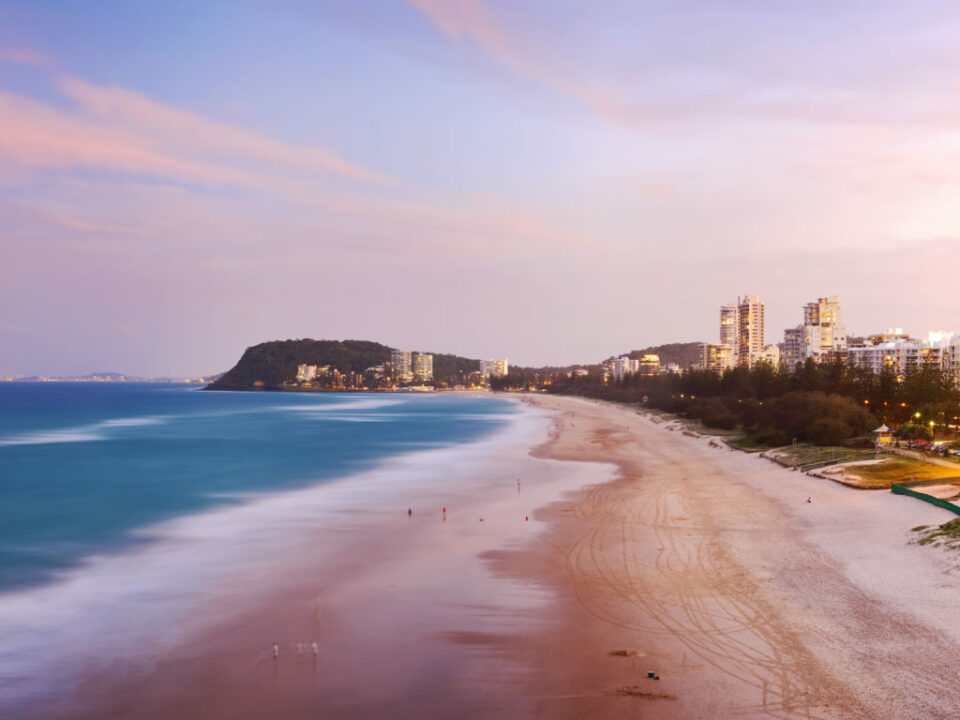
645	550
709	568
441	617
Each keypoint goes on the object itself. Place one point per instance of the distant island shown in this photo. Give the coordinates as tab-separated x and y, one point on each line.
113	377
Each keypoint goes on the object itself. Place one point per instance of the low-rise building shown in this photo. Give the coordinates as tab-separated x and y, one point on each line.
717	357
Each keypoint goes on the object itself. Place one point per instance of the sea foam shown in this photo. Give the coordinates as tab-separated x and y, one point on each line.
80	433
129	606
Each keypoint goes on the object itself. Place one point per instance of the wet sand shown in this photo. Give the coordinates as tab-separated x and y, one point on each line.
709	567
646	550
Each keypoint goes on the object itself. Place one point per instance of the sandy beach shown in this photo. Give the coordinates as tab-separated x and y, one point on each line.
627	547
708	567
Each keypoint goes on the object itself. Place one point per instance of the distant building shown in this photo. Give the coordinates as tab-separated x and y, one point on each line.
716	357
401	365
422	367
620	367
771	354
494	368
741	332
899	353
821	336
306	373
729	324
649	365
750	330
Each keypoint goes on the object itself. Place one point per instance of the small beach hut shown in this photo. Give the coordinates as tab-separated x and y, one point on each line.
884	437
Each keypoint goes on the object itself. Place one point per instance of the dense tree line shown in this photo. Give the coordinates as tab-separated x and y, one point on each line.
827	403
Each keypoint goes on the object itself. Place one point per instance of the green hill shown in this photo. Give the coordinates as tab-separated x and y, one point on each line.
273	365
683	354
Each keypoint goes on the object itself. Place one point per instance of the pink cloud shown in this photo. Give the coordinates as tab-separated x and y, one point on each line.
120	130
23	56
472	20
121	108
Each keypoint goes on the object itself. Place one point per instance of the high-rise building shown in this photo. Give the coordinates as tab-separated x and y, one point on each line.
729	324
750	325
494	368
822	333
741	333
401	365
422	367
306	373
622	366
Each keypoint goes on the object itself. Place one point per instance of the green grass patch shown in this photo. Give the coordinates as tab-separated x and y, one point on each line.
895	469
946	535
803	454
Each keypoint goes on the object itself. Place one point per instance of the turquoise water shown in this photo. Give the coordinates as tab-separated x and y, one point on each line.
84	466
126	508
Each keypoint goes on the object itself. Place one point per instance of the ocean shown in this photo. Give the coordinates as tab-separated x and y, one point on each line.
124	506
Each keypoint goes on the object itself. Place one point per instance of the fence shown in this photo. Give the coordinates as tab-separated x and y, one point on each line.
904	488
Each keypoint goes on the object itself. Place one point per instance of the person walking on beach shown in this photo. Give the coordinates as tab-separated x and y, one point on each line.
276	652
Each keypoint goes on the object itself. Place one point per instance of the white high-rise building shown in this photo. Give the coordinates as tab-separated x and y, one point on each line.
741	336
750	330
401	365
822	332
729	324
422	367
622	366
494	368
306	373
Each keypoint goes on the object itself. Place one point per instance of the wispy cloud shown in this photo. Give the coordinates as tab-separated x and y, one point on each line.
678	68
114	129
171	127
23	56
474	21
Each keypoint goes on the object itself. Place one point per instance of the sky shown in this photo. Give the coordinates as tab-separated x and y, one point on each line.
550	180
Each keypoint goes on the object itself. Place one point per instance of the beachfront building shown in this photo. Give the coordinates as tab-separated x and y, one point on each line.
648	365
741	336
422	367
729	324
401	365
898	352
620	367
822	334
717	357
306	373
883	437
494	368
750	330
772	355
